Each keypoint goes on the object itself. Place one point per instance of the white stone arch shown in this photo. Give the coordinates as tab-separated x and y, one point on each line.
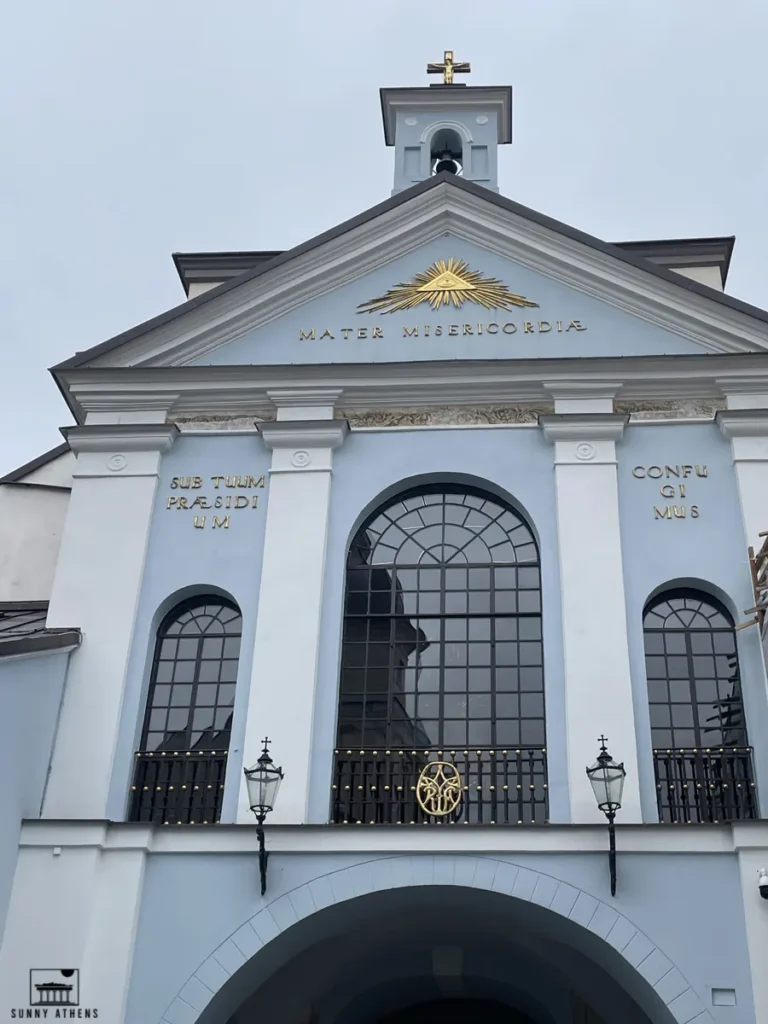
484	873
436	126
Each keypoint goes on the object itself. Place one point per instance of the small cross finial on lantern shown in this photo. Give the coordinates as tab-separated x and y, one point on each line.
603	741
266	741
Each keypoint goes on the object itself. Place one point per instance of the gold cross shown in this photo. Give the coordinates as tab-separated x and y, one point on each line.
448	68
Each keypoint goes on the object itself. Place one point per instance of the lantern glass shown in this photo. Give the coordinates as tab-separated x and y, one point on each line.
263	782
607	781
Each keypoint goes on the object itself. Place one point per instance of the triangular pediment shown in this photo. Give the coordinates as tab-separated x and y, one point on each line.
469	274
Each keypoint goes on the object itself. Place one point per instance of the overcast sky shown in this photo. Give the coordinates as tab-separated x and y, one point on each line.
133	130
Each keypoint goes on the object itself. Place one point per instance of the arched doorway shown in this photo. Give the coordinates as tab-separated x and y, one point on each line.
429	952
457	1011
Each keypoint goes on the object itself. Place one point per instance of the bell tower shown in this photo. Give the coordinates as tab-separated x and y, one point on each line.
447	127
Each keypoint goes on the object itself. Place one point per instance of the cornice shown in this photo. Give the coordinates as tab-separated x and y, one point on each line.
303	433
743	422
46	833
428	98
244	391
127	437
587	426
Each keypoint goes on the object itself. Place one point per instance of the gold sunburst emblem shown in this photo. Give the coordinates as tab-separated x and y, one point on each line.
447	282
439	789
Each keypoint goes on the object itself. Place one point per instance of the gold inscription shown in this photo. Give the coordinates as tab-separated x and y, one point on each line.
224	501
440	330
672	491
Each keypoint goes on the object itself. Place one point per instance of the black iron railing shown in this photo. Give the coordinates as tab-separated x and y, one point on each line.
705	786
178	788
488	787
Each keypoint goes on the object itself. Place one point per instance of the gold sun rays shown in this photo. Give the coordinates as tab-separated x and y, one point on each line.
446	283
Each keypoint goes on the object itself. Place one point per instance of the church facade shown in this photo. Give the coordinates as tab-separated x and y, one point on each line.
450	504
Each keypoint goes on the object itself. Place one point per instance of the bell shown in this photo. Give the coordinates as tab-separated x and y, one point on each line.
448	164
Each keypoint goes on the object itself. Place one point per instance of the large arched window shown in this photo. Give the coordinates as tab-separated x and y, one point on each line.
699	734
442	661
187	725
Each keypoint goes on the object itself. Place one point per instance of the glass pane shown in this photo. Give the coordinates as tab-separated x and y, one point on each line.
479	705
164	673
212	647
161	695
479	734
507	705
184	671
205	695
209	671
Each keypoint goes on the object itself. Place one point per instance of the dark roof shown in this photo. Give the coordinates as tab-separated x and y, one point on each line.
442	179
193	267
677	253
16	475
23	630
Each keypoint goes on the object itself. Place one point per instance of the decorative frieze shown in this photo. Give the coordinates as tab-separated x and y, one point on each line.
676	408
444	415
224	422
462	415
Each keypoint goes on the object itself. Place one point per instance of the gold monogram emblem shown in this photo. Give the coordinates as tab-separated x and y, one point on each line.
439	789
447	283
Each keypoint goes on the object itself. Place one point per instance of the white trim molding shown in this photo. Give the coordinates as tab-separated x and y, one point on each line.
96	588
598	686
282	694
747	429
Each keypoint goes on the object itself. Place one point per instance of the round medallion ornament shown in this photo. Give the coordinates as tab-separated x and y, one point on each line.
116	462
411	121
300	459
481	119
438	790
585	451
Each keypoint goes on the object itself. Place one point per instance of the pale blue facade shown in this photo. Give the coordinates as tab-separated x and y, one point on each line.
574	387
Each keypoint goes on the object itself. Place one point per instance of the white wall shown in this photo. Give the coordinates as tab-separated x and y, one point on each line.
199	287
710	276
31	523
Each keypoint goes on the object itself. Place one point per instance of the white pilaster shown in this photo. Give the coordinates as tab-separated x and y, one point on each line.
751	842
747	429
77	906
96	588
282	694
598	688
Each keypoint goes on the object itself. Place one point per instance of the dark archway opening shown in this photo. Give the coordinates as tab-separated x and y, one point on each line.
385	957
457	1011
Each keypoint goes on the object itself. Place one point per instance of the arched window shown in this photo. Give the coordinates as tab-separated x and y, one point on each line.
185	738
702	756
442	660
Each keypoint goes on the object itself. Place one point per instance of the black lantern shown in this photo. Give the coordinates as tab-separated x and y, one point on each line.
263	782
607	781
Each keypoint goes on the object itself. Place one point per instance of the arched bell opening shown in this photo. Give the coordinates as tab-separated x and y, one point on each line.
447	152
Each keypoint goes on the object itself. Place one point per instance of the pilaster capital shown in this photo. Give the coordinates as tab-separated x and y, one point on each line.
121	437
583	426
742	422
119	450
303	433
301	404
303	446
582	396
